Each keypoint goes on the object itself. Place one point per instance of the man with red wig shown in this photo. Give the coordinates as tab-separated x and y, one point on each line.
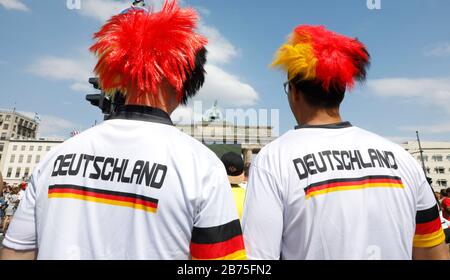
328	189
134	187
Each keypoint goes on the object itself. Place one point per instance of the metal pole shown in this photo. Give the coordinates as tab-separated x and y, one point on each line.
421	153
424	168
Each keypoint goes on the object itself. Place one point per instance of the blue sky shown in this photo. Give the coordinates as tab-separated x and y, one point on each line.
44	62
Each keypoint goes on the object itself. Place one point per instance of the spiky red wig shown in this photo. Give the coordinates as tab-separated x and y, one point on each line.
138	50
314	53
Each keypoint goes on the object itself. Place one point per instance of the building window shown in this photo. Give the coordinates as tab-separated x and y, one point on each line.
40	148
31	148
448	157
27	172
8	175
18	172
38	158
440	170
5	126
8	117
1	147
15	148
442	183
3	136
23	148
48	148
29	159
13	158
20	158
428	170
438	158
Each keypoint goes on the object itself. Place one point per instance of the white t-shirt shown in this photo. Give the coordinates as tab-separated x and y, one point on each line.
20	194
133	187
337	192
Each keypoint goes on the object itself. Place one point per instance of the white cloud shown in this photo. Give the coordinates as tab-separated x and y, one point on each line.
429	129
399	139
203	11
102	10
440	50
431	91
81	87
52	126
434	92
14	5
227	88
77	72
220	50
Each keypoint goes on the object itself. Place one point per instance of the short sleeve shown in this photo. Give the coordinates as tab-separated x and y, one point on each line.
263	216
429	231
21	234
217	233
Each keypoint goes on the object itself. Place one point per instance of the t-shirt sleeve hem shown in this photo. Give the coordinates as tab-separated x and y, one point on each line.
17	245
430	242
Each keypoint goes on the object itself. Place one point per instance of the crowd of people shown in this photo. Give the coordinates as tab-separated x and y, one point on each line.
10	197
444	201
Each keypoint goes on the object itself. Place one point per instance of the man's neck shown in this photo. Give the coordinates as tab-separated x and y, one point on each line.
147	102
320	117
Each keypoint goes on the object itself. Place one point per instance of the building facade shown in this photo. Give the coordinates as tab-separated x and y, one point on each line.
21	157
436	157
14	125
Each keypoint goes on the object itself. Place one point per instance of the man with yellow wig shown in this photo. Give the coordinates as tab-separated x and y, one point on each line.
328	189
134	187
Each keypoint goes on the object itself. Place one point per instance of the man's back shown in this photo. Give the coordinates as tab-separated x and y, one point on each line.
128	189
342	192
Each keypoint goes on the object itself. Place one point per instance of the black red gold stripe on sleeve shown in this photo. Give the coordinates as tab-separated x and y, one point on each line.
349	184
429	231
223	242
103	196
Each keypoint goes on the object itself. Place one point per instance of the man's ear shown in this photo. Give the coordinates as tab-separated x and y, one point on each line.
296	94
